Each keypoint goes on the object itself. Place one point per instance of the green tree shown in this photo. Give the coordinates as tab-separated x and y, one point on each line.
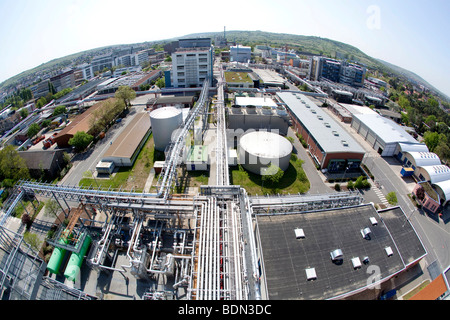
161	82
59	110
126	94
431	140
33	130
23	113
52	208
80	140
12	166
41	102
391	197
33	240
272	174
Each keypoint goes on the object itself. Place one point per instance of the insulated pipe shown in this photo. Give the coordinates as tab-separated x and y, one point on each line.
253	249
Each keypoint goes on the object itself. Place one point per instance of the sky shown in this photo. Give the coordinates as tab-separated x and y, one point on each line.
411	34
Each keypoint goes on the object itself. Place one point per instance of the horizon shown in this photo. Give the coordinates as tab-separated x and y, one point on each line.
382	30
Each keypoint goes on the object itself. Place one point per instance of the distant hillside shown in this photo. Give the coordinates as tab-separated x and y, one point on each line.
414	78
307	44
314	45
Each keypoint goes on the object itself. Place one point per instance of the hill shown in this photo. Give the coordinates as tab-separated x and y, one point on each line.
300	43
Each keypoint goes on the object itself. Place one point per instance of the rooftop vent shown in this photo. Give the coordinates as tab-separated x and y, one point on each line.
366	260
336	255
327	125
311	274
320	117
299	234
356	263
373	221
366	233
336	133
389	251
344	143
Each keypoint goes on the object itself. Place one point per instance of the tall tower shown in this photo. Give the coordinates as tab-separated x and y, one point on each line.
224	35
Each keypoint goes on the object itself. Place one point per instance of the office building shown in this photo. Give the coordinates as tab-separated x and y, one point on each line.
350	74
192	63
103	61
64	80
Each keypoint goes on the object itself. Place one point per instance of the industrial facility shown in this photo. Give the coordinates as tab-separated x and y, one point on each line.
220	243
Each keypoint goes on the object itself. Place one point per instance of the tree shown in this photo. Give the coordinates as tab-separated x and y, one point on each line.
272	174
59	110
33	130
391	197
431	140
41	102
33	240
161	83
126	94
81	140
26	220
12	166
23	113
52	208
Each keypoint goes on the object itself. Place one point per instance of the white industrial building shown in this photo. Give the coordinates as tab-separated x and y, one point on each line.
416	159
443	189
384	135
241	54
433	174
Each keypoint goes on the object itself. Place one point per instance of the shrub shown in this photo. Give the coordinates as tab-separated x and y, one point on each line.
350	185
337	187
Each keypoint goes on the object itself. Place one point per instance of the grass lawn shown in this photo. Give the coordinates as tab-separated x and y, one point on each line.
293	181
130	178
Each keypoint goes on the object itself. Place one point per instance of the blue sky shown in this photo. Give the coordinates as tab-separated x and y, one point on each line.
411	34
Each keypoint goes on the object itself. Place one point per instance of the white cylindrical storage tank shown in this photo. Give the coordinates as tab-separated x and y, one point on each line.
164	122
259	149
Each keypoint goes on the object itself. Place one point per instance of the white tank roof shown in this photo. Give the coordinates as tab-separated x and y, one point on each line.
266	144
165	112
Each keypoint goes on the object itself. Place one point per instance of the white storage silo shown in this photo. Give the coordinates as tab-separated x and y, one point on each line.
164	122
259	149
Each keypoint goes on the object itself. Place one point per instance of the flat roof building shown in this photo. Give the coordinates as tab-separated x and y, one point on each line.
332	255
330	145
125	148
381	133
241	54
270	78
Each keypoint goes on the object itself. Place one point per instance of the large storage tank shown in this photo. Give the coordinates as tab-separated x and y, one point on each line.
259	149
164	122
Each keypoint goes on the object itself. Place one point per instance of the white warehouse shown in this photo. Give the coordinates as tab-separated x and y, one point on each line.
383	134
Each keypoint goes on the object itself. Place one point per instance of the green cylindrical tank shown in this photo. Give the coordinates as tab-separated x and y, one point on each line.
57	257
76	259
